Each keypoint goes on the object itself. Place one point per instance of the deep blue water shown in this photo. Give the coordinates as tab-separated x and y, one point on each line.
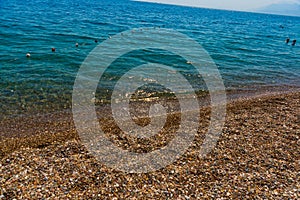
248	48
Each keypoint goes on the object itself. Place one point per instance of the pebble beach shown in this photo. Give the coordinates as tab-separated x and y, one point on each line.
68	69
256	157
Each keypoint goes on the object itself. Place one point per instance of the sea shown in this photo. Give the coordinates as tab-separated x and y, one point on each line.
249	49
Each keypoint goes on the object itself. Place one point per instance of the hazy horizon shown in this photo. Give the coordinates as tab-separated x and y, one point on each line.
251	6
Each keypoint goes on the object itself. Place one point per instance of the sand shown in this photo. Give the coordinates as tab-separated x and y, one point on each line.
256	157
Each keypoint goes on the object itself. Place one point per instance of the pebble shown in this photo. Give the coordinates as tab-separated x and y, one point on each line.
247	162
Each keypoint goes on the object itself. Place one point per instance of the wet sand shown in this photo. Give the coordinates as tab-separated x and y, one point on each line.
257	156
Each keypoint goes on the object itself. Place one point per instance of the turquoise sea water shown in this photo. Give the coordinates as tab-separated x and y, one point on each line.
248	48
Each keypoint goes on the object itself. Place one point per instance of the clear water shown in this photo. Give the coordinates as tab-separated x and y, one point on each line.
248	48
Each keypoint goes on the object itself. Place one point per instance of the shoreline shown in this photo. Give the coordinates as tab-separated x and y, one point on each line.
24	125
60	126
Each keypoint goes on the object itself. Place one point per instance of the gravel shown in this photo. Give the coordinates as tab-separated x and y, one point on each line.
256	157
